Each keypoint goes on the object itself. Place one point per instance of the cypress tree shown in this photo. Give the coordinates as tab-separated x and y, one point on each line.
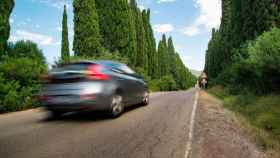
142	58
159	59
151	43
153	50
65	54
132	46
116	27
6	7
171	55
86	29
164	56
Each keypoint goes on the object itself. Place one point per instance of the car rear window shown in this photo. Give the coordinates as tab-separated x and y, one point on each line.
72	67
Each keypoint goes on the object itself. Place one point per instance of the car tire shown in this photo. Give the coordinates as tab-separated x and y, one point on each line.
146	99
117	106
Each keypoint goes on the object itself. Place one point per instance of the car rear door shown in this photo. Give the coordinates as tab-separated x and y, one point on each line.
126	84
135	84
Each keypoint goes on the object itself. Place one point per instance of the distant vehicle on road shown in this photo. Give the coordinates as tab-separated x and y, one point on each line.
92	85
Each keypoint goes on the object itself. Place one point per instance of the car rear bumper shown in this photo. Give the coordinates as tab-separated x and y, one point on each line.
96	103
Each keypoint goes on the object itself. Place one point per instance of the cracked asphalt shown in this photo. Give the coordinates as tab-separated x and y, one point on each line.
158	130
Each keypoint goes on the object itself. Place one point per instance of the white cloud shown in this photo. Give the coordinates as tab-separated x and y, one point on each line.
165	1
163	28
210	13
191	31
35	37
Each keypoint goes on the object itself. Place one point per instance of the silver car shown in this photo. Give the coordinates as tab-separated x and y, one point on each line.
92	85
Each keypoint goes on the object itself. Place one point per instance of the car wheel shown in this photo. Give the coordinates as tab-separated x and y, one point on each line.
117	106
146	99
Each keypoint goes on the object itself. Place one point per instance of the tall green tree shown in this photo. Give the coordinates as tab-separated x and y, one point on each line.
87	38
242	21
65	54
116	27
171	55
165	55
151	43
162	57
6	7
142	58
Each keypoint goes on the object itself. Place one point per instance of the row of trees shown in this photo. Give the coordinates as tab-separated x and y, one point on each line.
120	27
243	24
115	30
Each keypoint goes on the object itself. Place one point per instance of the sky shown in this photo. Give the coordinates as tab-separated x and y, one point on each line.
189	22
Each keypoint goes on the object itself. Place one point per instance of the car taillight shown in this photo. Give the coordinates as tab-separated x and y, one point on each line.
94	72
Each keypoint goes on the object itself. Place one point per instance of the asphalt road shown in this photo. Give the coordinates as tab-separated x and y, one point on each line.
159	130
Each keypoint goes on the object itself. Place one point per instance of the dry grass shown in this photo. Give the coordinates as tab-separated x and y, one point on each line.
258	115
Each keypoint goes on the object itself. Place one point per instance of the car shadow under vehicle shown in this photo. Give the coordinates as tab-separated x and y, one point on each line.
87	116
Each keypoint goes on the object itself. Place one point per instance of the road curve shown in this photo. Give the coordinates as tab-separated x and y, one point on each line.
159	130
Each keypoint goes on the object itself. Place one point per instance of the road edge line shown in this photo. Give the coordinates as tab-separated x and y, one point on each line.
190	136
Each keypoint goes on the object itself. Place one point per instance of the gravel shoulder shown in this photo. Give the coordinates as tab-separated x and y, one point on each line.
218	135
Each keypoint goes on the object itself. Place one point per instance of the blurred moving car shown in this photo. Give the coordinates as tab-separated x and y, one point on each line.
92	85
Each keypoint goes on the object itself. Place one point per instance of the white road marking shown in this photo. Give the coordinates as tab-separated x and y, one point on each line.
190	137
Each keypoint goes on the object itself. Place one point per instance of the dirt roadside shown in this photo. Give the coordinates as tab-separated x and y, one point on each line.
217	135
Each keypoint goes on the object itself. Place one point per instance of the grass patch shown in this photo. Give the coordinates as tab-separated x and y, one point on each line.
260	113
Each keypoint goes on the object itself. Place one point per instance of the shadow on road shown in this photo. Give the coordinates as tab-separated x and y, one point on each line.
88	116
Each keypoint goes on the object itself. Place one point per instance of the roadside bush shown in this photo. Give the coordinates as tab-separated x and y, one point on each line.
167	83
26	49
19	78
154	85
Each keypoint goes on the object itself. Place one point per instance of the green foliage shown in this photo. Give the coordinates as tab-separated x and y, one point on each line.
151	43
6	7
116	27
87	39
19	77
25	71
65	54
104	56
142	57
242	20
259	69
167	83
154	85
25	49
232	60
